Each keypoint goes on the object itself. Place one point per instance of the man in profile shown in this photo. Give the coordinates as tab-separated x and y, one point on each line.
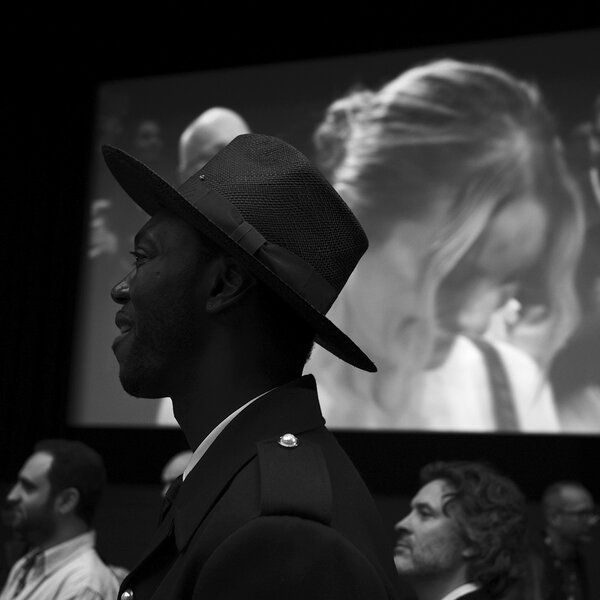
206	135
235	271
51	507
463	535
558	563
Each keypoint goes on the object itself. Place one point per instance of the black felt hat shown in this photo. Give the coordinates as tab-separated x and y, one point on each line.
262	201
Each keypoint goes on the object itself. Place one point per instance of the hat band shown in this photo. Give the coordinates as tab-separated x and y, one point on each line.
289	267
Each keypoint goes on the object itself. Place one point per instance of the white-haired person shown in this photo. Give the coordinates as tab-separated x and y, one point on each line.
208	133
456	172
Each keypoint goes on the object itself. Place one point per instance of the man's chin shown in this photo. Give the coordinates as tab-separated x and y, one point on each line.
11	522
138	389
403	566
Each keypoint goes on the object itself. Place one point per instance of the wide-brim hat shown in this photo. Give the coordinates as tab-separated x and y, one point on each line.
265	203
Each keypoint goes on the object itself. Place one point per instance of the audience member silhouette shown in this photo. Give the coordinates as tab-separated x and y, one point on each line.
557	568
206	135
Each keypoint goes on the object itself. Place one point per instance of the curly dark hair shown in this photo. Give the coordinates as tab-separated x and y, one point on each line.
491	513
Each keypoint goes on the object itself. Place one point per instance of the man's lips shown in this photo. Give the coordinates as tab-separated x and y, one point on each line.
125	325
123	322
402	547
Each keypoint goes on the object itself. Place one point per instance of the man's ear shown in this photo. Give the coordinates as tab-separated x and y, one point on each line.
66	501
230	283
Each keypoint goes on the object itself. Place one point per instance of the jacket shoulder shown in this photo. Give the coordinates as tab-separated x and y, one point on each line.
294	479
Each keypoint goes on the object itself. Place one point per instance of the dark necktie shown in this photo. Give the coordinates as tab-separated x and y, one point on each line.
170	496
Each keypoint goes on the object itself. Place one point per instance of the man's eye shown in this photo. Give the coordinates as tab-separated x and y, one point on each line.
137	258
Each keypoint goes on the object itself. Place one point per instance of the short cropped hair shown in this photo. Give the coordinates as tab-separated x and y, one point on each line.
490	511
76	465
552	497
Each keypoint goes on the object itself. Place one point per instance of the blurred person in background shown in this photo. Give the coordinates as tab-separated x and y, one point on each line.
456	172
148	140
51	507
208	133
557	564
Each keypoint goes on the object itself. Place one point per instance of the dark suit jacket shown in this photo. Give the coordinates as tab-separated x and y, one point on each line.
255	519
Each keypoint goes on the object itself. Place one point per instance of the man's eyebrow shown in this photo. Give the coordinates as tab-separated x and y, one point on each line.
24	481
421	505
143	234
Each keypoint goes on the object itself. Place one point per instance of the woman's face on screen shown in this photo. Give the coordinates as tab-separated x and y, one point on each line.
487	276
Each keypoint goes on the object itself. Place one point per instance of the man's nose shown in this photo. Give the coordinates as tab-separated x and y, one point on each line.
12	497
401	527
120	292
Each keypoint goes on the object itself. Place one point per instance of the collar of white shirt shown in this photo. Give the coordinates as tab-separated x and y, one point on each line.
460	591
212	436
51	559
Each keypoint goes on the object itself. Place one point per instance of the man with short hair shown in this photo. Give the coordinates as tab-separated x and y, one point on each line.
51	507
463	535
233	275
558	566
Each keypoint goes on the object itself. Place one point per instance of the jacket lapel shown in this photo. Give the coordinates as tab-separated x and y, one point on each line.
292	408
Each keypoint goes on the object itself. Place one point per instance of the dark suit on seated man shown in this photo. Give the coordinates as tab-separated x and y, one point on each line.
464	534
233	275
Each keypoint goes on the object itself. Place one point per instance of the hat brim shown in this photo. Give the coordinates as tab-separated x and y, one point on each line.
151	192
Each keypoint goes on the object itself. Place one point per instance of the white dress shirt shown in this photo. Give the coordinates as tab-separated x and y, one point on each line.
68	571
460	591
212	436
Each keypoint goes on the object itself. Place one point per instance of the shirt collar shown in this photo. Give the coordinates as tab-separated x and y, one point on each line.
52	558
461	590
212	436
